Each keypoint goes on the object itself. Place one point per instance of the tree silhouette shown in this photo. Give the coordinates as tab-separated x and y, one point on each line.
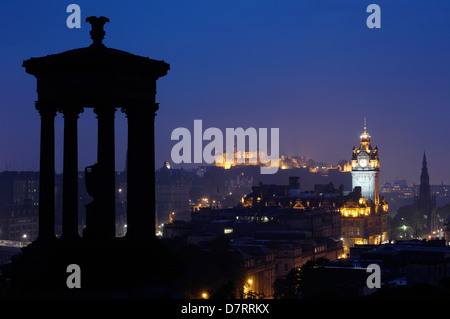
409	221
216	270
292	286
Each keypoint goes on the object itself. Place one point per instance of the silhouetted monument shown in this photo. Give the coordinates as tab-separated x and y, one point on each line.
103	79
425	201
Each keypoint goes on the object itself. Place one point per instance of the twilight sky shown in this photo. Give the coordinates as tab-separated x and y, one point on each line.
312	68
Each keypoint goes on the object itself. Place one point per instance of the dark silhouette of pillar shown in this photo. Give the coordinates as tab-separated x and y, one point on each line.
106	164
70	174
141	171
47	173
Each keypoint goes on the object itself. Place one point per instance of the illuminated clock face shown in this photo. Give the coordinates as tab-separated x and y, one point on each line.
363	162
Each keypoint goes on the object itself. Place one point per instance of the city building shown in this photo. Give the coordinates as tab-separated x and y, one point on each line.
275	227
362	221
260	268
19	203
364	214
19	222
244	158
408	269
447	230
172	188
19	187
399	188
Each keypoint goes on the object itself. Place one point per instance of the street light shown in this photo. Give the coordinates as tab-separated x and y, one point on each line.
404	227
24	238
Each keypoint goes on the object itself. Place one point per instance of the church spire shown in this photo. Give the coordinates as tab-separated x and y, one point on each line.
425	202
424	192
424	178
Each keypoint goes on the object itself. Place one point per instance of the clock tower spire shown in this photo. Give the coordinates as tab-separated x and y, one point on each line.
366	167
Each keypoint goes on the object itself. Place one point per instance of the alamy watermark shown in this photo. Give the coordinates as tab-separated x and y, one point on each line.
235	152
74	279
73	21
74	18
374	279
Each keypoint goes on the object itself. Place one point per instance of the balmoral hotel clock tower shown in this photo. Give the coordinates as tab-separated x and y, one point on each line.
364	213
366	168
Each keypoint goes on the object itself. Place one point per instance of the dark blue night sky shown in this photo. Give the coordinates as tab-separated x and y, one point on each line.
311	68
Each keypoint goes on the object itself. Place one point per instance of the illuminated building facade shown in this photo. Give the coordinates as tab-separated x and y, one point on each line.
285	162
362	221
364	213
240	158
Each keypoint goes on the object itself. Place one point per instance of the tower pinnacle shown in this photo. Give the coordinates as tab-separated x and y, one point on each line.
365	137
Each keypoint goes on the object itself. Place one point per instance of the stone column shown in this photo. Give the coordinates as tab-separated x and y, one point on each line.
70	173
106	164
141	171
47	172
